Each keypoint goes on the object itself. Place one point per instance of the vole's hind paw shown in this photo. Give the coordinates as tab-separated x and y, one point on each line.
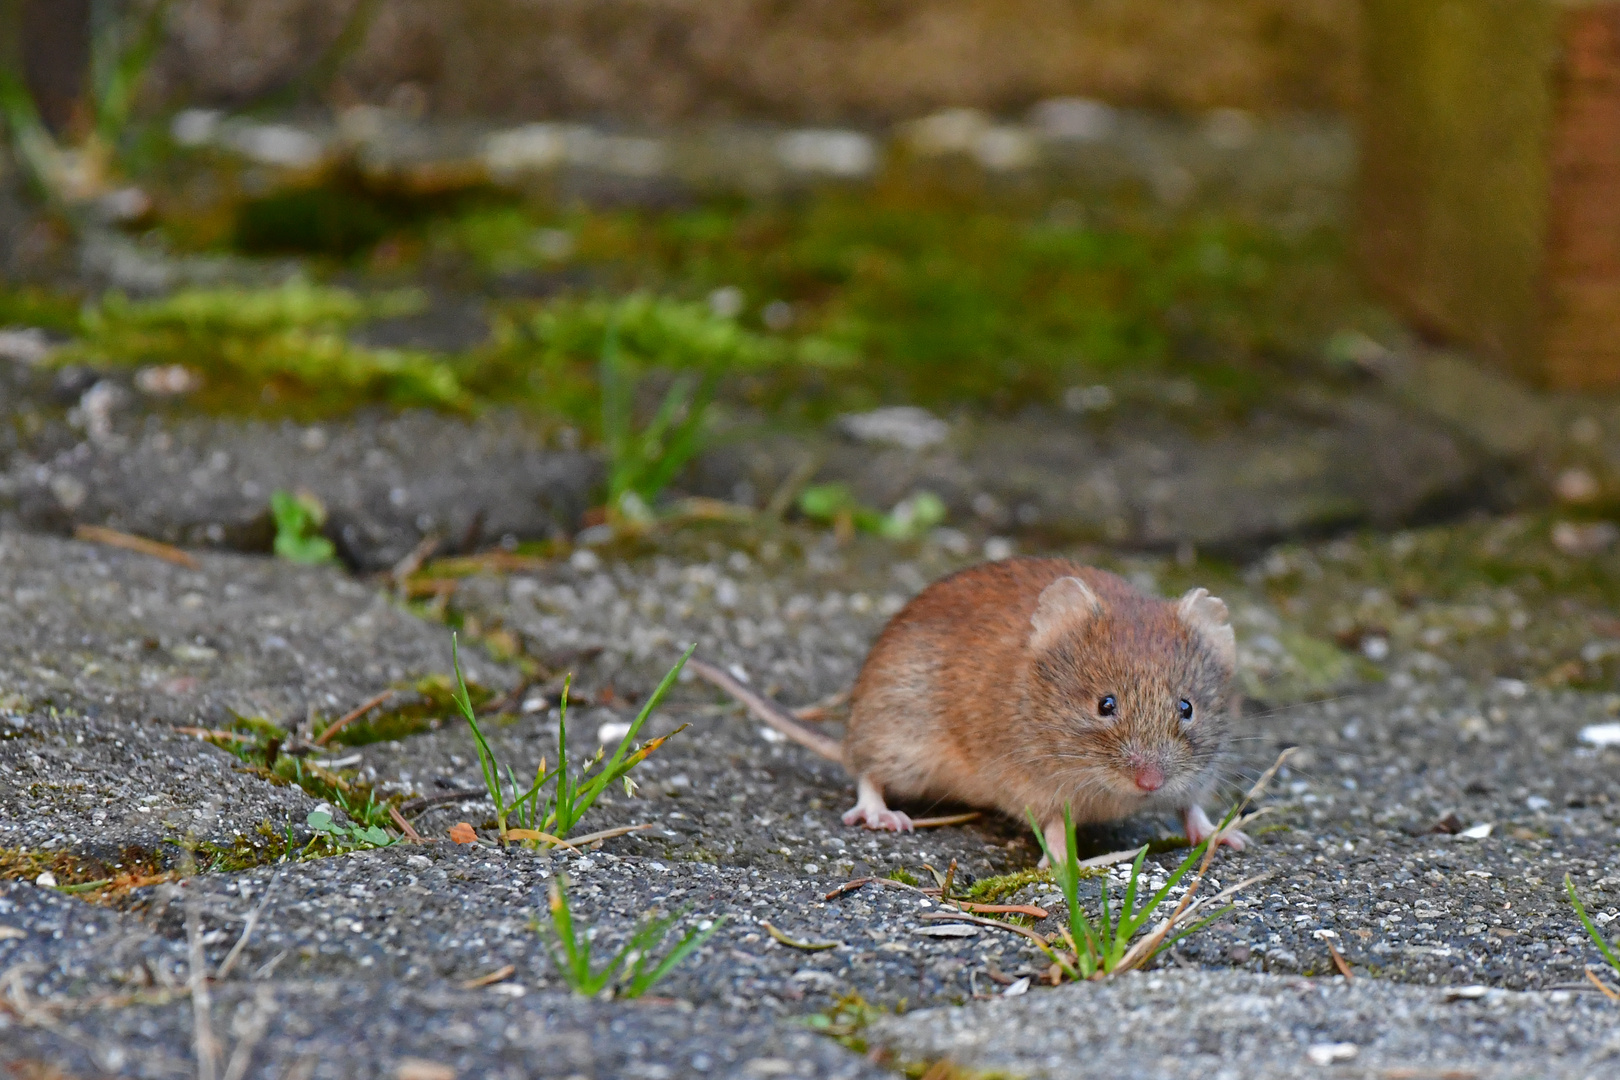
870	809
878	818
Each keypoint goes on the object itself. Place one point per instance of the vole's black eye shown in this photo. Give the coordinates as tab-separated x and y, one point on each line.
1184	709
1107	705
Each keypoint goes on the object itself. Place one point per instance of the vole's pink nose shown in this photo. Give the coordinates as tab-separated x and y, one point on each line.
1149	777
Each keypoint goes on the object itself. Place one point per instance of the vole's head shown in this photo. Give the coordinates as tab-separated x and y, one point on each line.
1132	691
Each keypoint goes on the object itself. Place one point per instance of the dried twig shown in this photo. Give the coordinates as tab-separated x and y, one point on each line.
203	1043
542	837
216	733
247	931
1113	858
1601	985
424	802
406	827
411	563
352	715
1031	910
500	974
606	834
957	916
949	819
851	886
1339	962
782	498
257	1024
100	534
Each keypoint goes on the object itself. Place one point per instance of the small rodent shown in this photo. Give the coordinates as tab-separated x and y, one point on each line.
1035	683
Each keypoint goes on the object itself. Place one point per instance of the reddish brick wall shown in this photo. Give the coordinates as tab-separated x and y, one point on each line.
1581	287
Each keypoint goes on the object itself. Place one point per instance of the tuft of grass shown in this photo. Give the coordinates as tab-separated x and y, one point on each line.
299	518
572	793
122	47
1591	930
903	876
1111	945
631	971
642	463
1106	946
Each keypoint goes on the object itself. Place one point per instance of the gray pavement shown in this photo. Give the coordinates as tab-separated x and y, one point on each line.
358	962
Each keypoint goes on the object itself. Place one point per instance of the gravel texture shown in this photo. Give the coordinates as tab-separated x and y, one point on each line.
359	960
1224	1025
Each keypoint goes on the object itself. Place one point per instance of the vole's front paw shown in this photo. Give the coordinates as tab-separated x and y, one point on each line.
1200	828
878	818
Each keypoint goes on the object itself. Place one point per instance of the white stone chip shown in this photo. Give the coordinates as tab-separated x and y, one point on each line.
1601	734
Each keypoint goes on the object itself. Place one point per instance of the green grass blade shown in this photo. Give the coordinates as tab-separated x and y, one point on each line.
1591	931
590	789
1192	859
35	149
1127	913
683	444
643	941
651	440
118	66
565	796
617	409
486	757
693	941
578	968
1106	927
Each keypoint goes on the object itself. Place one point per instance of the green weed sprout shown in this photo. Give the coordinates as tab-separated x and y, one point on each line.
351	835
572	794
574	965
298	528
1591	931
835	504
642	463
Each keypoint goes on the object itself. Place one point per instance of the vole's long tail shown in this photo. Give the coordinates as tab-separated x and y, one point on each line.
769	711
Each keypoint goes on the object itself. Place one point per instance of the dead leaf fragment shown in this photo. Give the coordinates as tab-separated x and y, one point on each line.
463	833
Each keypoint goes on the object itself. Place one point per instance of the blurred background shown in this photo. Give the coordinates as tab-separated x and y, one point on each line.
1316	297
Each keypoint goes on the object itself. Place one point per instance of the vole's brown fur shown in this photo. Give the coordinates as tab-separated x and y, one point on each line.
988	688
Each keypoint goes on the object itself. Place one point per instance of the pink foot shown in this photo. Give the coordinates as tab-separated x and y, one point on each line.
1200	828
886	819
870	810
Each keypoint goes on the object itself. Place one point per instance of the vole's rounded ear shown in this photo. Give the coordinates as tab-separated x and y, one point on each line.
1066	604
1206	616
